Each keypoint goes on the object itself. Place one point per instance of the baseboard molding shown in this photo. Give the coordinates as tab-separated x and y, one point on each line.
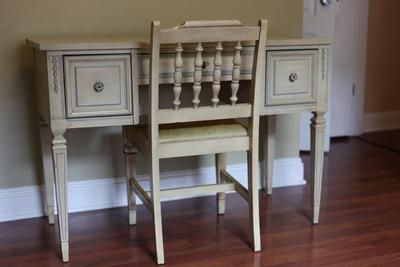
381	121
288	172
27	202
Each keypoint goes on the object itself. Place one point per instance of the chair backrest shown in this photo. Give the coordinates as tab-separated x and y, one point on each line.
216	33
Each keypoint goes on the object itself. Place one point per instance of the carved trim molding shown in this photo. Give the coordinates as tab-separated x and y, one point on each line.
324	62
54	68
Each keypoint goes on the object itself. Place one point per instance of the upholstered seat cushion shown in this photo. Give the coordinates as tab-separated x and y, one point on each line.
197	131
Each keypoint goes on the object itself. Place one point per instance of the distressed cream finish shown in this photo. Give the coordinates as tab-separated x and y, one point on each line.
163	137
135	42
291	77
51	102
98	85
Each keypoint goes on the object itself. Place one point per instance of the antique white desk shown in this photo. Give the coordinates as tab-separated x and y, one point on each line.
94	83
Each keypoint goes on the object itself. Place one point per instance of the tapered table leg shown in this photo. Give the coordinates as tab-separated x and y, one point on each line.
48	172
318	127
220	164
61	179
270	152
130	154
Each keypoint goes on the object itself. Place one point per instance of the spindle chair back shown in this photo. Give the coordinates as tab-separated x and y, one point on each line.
201	129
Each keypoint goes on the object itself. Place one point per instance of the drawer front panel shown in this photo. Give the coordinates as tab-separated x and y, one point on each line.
291	77
98	85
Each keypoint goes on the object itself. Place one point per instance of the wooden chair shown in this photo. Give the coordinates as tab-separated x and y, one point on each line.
185	131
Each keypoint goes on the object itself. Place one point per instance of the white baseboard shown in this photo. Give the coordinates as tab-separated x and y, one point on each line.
381	121
27	202
288	172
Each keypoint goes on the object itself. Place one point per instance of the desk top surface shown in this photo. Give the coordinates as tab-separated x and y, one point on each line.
127	42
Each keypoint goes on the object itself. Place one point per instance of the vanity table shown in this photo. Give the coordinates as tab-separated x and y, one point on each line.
84	83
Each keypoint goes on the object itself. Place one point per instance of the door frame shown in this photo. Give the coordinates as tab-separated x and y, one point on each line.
360	64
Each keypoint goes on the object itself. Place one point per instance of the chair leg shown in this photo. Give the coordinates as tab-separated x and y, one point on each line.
130	164
253	180
220	164
156	203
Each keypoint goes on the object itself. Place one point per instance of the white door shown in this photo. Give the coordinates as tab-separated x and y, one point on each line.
318	20
348	68
346	22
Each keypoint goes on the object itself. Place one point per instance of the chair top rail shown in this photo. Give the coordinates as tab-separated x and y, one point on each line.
209	23
209	34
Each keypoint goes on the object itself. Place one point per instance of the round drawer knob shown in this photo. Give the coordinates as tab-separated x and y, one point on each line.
98	87
293	77
326	2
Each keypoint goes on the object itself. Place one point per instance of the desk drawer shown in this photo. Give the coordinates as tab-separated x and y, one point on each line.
291	77
98	85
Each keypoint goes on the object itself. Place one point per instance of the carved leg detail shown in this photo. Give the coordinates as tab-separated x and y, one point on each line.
155	196
253	184
130	163
220	164
48	172
270	149
61	178
318	127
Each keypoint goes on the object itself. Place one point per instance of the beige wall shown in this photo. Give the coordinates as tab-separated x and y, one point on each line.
382	73
95	153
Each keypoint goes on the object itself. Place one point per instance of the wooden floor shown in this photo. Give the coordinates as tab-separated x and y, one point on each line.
359	226
387	139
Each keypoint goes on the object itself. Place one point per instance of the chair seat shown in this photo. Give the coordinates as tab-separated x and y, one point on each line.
197	131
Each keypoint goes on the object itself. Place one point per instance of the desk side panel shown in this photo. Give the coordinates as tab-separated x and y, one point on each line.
42	86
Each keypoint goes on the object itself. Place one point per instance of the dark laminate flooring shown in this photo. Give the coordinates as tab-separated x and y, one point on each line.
359	224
